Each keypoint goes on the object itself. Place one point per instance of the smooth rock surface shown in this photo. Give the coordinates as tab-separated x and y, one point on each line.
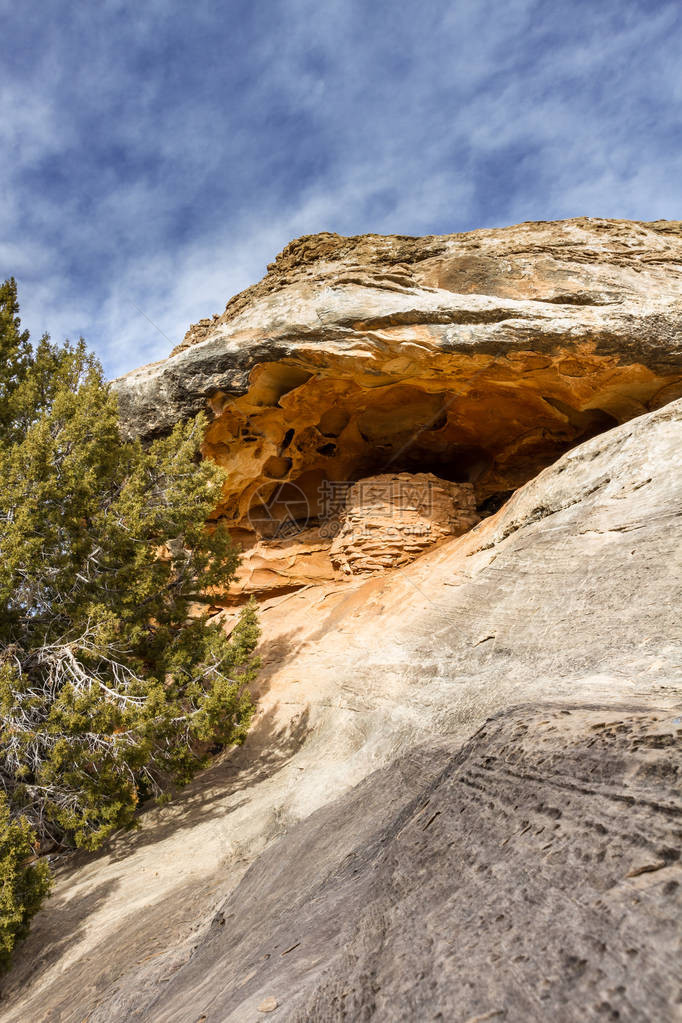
530	875
528	668
570	594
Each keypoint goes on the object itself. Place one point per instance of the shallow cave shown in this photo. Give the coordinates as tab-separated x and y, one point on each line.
458	463
378	442
495	426
483	426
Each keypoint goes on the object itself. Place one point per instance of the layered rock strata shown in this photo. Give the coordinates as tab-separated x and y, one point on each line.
479	358
389	520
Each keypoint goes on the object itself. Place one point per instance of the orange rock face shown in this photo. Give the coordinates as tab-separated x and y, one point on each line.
477	358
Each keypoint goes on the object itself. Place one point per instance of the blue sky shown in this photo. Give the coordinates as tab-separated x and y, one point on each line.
155	156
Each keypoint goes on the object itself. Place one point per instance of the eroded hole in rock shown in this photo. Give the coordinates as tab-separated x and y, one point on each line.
271	381
286	440
277	467
458	463
297	442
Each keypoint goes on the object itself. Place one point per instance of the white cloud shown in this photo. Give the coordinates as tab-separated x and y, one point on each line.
160	159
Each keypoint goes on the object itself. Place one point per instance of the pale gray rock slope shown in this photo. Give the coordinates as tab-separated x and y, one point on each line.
460	797
567	600
531	875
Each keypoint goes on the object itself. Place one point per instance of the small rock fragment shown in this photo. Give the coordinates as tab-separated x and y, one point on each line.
645	868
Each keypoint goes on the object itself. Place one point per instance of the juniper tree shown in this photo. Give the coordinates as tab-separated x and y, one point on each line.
113	682
24	881
15	357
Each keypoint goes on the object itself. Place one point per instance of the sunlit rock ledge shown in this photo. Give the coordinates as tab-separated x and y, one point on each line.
478	358
460	795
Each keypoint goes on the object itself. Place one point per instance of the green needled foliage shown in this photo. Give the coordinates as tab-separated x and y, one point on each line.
15	359
112	680
24	881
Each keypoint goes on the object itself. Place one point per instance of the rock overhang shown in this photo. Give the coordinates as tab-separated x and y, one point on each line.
477	358
569	594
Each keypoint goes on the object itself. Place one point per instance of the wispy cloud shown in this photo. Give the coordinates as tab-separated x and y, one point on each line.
155	157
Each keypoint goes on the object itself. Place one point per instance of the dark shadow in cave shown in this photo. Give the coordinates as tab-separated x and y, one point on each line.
458	463
427	433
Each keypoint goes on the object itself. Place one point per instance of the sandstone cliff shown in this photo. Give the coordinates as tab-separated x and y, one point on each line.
460	798
479	358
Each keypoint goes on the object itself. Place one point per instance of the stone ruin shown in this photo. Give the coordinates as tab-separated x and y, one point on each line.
389	520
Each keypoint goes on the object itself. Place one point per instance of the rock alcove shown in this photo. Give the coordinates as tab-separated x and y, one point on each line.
483	424
478	359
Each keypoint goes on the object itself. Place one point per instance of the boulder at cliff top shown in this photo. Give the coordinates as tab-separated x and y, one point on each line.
518	870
